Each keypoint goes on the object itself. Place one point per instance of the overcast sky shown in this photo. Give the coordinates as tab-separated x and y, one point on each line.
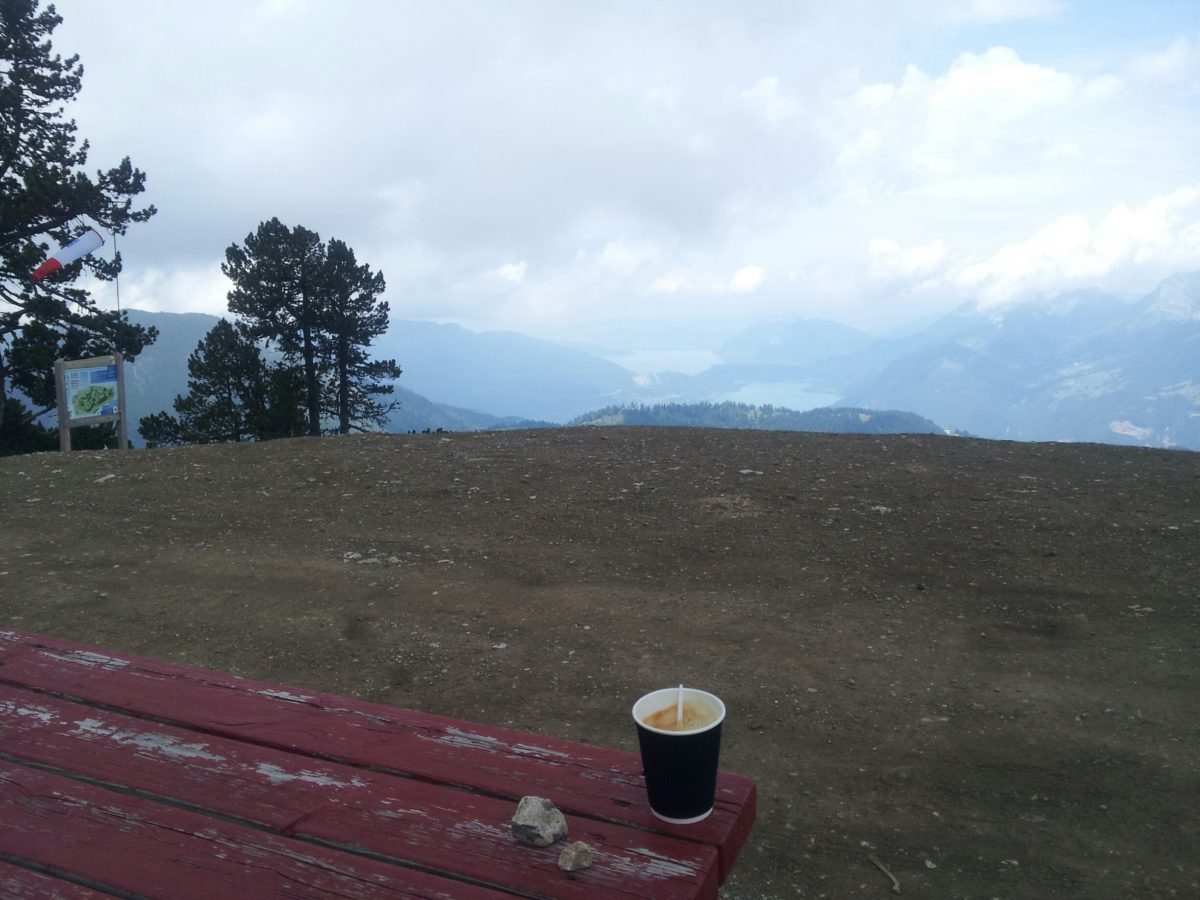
547	166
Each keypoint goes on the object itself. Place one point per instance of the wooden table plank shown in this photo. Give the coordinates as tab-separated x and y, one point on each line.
128	844
17	883
583	780
437	828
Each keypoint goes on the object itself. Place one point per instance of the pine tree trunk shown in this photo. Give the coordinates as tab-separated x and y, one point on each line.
343	385
3	390
313	385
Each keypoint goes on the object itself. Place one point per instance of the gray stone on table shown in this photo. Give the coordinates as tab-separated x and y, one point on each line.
575	856
538	822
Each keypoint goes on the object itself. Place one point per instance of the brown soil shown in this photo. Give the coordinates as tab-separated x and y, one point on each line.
975	660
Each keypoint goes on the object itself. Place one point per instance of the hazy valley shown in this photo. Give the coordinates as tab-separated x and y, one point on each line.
1085	366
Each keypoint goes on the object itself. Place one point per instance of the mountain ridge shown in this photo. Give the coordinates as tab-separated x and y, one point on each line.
1082	366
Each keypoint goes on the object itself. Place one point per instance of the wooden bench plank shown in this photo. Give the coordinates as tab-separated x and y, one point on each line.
581	779
438	828
53	821
17	883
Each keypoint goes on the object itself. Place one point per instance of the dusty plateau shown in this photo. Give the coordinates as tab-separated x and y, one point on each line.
977	661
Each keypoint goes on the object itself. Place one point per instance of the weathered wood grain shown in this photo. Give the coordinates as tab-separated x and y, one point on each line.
583	780
128	844
437	828
17	883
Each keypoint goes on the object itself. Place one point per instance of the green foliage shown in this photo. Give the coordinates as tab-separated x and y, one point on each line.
838	420
320	308
21	433
91	437
278	292
44	195
162	430
354	317
233	395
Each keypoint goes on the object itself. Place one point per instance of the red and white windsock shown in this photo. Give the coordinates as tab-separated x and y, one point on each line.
81	246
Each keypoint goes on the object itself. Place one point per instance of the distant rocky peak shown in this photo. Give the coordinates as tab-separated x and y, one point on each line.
1067	304
1177	298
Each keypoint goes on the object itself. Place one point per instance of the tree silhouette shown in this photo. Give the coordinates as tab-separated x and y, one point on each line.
233	395
44	195
278	292
321	309
354	316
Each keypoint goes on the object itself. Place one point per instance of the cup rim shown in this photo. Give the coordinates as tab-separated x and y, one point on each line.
667	694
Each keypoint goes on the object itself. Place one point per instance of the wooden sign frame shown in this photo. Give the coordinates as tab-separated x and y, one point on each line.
73	378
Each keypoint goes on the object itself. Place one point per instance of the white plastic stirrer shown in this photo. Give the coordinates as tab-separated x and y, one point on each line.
679	708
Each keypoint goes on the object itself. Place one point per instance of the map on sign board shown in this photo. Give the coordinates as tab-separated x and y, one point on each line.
92	392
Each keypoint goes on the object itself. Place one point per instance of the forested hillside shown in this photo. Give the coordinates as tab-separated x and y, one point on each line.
836	420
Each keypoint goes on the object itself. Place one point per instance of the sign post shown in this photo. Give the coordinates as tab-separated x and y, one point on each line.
90	391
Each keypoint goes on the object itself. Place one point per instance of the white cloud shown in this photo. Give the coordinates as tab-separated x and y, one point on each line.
769	102
513	272
988	113
747	279
201	289
995	11
1101	88
890	260
265	128
630	160
661	97
1071	251
672	283
1180	61
623	257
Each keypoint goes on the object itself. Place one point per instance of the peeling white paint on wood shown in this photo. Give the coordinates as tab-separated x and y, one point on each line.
655	867
402	813
475	828
277	775
286	695
88	658
10	709
151	741
531	750
456	737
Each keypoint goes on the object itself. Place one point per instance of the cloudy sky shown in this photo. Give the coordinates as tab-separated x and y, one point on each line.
551	166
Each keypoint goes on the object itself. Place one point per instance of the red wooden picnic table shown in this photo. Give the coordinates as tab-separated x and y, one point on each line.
131	776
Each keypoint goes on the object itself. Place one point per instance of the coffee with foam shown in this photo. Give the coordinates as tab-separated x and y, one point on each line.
695	715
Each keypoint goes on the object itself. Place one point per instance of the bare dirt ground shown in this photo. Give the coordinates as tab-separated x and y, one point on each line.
976	660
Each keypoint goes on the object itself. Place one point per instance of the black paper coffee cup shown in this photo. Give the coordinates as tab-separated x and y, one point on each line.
680	759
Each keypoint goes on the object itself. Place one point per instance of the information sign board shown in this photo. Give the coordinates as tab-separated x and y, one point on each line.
90	391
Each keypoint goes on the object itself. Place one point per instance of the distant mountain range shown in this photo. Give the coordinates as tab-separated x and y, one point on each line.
502	372
835	420
418	413
1085	366
1082	366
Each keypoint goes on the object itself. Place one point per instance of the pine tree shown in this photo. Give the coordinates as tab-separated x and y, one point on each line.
354	317
233	395
44	195
278	291
322	310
